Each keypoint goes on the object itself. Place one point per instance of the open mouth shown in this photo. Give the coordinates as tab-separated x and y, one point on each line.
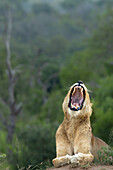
77	98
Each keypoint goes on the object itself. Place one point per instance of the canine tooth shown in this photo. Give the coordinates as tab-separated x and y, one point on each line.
81	89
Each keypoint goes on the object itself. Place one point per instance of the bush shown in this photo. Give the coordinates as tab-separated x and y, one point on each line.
36	145
103	109
105	156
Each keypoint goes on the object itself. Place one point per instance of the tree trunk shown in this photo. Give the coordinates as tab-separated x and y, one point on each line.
14	108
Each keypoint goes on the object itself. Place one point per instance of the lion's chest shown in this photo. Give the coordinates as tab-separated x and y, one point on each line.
75	127
71	130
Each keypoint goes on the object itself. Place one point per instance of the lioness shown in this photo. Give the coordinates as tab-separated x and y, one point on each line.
75	142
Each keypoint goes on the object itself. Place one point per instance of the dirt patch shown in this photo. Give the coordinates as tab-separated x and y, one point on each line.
99	167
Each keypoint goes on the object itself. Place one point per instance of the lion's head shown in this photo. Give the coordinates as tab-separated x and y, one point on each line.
77	100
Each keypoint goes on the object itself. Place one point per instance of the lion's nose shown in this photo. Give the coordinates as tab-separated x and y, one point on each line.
80	82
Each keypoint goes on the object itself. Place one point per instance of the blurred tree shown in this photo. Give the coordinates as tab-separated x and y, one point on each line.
42	8
103	106
94	64
51	45
78	69
70	4
14	109
38	145
52	112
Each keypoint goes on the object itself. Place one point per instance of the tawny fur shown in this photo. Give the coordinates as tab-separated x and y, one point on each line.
75	142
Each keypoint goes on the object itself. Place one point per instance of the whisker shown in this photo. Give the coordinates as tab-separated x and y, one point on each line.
89	91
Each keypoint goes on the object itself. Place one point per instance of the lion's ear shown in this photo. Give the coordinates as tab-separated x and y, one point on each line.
64	105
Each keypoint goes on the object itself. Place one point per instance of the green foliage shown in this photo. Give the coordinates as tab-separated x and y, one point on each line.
109	67
105	156
103	109
77	69
70	4
31	140
3	162
42	7
2	156
3	145
52	110
54	46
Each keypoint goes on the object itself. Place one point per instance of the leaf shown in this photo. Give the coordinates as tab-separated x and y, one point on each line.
3	155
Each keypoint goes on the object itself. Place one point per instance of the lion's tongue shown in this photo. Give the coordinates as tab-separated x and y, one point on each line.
76	104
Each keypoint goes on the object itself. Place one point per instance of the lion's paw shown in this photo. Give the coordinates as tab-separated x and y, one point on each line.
81	159
75	160
61	161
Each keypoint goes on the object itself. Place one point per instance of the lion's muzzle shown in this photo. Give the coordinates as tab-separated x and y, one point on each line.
77	97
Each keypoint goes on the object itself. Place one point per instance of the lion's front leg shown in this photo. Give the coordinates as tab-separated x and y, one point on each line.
63	149
64	152
82	147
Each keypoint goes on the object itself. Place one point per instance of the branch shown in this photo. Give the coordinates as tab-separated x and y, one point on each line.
12	77
18	109
8	57
8	37
18	68
12	74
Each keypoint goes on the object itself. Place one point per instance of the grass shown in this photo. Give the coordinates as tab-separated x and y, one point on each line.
41	166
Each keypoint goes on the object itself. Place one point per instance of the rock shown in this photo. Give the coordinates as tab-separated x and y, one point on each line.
99	167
